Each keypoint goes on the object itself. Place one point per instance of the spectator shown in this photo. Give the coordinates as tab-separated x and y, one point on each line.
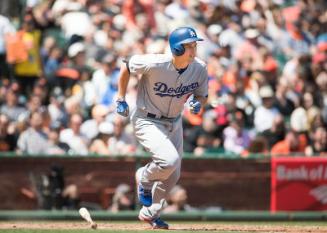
211	43
310	107
41	90
264	38
121	143
264	115
299	120
7	139
282	102
250	48
56	108
4	87
177	10
72	71
72	19
231	36
90	128
177	200
100	144
72	105
28	71
321	81
55	146
11	107
318	144
129	8
318	121
243	102
122	199
104	82
297	41
236	138
277	131
6	28
208	137
258	145
292	144
33	140
34	104
73	137
52	64
256	80
161	19
48	44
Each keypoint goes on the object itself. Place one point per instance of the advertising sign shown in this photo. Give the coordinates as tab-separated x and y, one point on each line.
298	183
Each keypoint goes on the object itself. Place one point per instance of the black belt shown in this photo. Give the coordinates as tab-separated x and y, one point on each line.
151	115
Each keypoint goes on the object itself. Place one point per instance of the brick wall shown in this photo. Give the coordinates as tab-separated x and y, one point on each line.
233	184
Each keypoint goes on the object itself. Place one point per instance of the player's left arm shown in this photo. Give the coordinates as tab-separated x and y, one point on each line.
201	93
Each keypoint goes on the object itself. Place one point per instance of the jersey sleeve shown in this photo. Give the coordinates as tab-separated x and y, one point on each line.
139	64
202	90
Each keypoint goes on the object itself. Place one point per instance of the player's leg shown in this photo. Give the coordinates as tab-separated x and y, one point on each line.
160	191
162	188
154	136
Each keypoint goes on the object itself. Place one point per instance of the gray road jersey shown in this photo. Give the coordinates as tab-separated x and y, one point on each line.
162	90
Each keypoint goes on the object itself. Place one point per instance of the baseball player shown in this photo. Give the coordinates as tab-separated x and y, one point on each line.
166	83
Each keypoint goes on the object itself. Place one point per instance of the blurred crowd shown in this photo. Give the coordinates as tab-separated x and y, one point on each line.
60	59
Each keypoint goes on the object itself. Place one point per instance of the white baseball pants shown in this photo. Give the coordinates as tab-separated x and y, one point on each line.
164	140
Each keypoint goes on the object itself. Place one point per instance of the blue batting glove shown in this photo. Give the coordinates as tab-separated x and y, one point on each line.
195	106
122	108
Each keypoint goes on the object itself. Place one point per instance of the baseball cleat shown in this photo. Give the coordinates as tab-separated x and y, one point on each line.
144	195
155	223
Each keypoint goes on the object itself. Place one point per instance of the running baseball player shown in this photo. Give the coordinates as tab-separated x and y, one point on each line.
166	83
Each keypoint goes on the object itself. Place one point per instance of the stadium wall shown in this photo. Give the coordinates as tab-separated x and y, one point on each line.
211	183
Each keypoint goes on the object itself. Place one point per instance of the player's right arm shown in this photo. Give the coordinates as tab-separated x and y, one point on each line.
122	106
123	82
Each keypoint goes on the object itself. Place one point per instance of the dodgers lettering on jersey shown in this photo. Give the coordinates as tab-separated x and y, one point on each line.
161	89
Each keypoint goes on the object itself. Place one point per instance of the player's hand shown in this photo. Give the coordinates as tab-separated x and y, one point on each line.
195	106
122	108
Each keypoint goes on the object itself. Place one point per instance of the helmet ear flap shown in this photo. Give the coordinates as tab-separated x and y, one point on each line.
178	50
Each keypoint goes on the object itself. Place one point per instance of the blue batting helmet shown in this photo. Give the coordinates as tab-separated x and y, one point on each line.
181	36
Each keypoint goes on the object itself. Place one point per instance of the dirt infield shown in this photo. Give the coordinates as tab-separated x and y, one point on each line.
201	226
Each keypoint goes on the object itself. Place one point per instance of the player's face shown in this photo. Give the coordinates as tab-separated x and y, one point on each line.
190	51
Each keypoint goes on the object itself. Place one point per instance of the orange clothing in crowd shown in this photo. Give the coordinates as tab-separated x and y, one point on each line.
284	148
16	48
